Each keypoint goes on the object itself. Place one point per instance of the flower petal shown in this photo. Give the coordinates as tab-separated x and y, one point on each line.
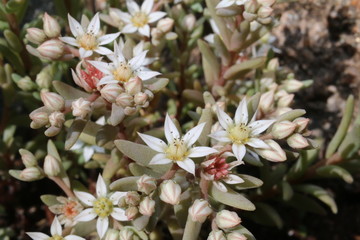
146	75
221	136
241	114
101	66
188	165
107	80
147	5
102	225
119	214
201	151
239	151
103	51
69	40
38	235
233	179
132	7
225	3
259	126
159	159
137	61
153	142
153	17
86	215
193	134
129	28
85	197
73	237
108	38
171	132
94	25
116	196
55	228
257	143
75	27
224	119
85	53
101	189
124	16
145	30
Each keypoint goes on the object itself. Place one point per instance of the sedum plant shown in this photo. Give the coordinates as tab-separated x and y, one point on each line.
179	108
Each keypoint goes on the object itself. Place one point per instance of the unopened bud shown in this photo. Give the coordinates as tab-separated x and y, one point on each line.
254	25
189	22
266	101
227	219
28	158
52	166
200	210
146	184
81	108
26	84
283	129
53	49
149	93
124	100
273	64
293	85
31	174
51	26
249	16
111	91
170	192
274	154
251	6
126	234
133	86
147	206
165	25
131	212
35	35
44	79
132	198
52	131
301	123
52	101
40	119
130	111
266	3
297	141
57	119
140	98
235	236
112	234
216	235
265	12
285	100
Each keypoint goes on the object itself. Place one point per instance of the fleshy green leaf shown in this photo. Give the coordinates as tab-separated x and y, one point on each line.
332	171
238	69
206	116
125	184
49	199
68	92
249	182
266	215
74	132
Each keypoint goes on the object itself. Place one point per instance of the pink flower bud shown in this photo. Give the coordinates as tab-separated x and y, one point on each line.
31	174
285	100
133	86
235	236
130	111
297	141
200	210
146	184
265	21
165	25
132	198
35	35
227	219
40	118
131	212
189	22
52	166
266	3
52	131
273	154
111	91
124	100
251	6
147	206
140	98
52	101
57	119
112	234
266	101
81	108
301	123
126	234
283	129
216	235
53	49
170	192
293	85
265	12
28	158
51	26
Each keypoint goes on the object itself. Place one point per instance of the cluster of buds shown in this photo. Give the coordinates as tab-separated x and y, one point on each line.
163	30
32	171
258	12
226	221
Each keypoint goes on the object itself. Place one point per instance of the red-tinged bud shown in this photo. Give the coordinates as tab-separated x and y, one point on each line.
293	85
124	100
227	219
283	129
273	154
216	235
51	26
285	100
130	111
146	184
301	124
35	35
170	192
133	86
53	49
81	108
200	210
297	141
131	212
111	91
52	166
52	131
265	12
40	119
57	119
147	206
52	101
132	198
235	236
266	101
140	98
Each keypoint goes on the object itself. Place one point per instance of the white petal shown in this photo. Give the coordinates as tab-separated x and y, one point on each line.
201	151
55	228
137	61
153	142
85	197
147	5
101	66
257	143
225	3
146	75
107	80
193	134
101	190
116	196
153	17
122	15
233	179
119	214
86	215
85	53
241	114
171	132
73	237
118	53
108	38
159	159
129	28
132	6
188	165
94	25
103	51
84	21
219	185
75	27
102	225
38	235
258	127
145	30
221	136
224	119
239	151
69	40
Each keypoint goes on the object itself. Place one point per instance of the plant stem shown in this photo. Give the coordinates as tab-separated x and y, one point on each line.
63	186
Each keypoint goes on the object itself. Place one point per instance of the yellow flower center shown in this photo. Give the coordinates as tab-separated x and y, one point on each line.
87	41
56	237
123	72
177	150
140	19
239	134
103	207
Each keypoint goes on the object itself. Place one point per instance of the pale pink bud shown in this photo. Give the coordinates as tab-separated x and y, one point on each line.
251	6
266	3
133	86
285	100
235	236
126	234
200	210
52	101
265	12
57	119
131	212
52	131
146	184
81	108
297	141
40	118
189	22
283	129
273	64
130	111
111	91
265	21
149	93
266	101
52	166
51	26
132	198
28	158
124	100
227	219
293	85
53	49
140	98
170	192
147	206
112	234
31	174
274	154
249	16
254	25
35	35
301	123
165	25
216	235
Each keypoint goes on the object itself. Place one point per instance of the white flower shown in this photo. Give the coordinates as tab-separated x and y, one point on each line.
101	207
139	18
228	3
239	131
87	151
121	71
179	150
67	209
56	233
88	38
138	49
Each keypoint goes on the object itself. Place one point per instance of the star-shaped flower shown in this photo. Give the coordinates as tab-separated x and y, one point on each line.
101	207
239	132
139	18
178	150
88	37
228	3
56	233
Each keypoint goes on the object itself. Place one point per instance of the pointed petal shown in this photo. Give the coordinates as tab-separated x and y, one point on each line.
119	214
153	142
146	75
257	143
171	132
201	151
219	185
85	197
239	151
101	190
124	16
102	225
233	179
103	51
225	3
118	53
137	61
145	30
132	6
159	159
129	28
224	119
116	196
153	17
88	153
258	127
94	25
38	235
85	53
73	237
86	215
75	27
147	5
193	134
221	136
55	228
188	165
101	66
69	40
107	80
108	38
241	114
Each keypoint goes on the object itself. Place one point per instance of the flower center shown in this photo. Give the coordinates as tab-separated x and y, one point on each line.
103	207
70	210
140	19
87	41
56	237
123	72
239	134
177	150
